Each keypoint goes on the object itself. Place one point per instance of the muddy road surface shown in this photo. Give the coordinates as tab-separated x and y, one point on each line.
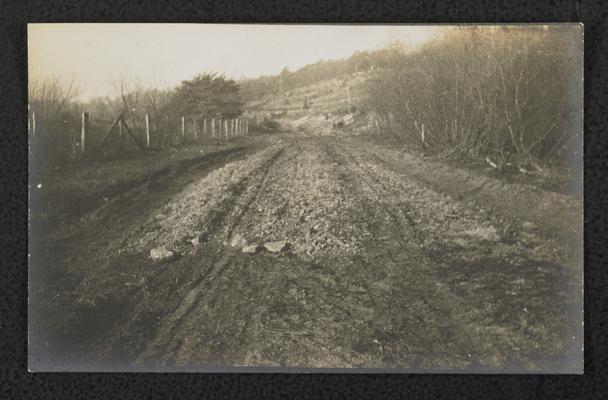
379	270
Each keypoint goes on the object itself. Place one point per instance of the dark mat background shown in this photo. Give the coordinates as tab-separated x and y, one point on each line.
17	383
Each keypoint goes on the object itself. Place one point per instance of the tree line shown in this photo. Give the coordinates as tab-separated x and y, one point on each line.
508	95
360	61
57	110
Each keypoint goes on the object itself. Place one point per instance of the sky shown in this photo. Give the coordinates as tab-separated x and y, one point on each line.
96	56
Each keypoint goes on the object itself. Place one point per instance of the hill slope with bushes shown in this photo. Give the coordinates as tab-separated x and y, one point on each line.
510	96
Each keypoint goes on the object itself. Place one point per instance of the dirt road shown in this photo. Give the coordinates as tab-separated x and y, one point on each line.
382	271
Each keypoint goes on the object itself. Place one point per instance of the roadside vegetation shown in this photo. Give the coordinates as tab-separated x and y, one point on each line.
312	74
56	113
507	95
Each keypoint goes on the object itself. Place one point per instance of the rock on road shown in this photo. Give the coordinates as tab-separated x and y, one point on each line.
379	270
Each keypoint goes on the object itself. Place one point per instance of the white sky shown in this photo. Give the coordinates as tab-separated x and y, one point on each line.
96	55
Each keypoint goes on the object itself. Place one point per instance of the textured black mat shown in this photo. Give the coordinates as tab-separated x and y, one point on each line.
17	383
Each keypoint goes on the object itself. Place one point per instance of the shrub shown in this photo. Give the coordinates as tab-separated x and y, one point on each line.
508	93
267	125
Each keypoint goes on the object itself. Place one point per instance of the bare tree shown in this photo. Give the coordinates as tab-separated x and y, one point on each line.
130	92
56	111
50	97
498	93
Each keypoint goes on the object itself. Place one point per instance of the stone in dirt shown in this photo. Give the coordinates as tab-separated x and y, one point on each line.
304	248
484	233
251	249
276	247
202	236
528	226
238	241
462	243
195	242
160	254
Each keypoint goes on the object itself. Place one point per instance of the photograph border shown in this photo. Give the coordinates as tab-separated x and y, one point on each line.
14	287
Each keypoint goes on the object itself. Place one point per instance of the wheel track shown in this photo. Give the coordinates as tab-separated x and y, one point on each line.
221	264
482	348
380	191
102	341
328	301
225	265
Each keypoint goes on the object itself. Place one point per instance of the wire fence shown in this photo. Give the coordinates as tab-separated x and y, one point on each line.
58	140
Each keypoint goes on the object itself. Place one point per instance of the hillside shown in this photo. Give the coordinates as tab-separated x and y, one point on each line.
331	95
480	95
319	108
321	95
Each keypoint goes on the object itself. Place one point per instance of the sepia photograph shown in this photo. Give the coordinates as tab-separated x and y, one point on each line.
305	198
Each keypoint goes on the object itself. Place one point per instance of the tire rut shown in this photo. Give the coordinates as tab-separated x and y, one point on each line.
436	301
218	268
467	316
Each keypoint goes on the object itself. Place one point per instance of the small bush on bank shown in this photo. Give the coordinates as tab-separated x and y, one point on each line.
267	125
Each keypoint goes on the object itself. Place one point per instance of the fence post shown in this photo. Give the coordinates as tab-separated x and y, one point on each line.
204	126
194	126
121	135
422	135
238	126
213	128
147	130
33	124
246	126
30	131
83	133
183	128
226	126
